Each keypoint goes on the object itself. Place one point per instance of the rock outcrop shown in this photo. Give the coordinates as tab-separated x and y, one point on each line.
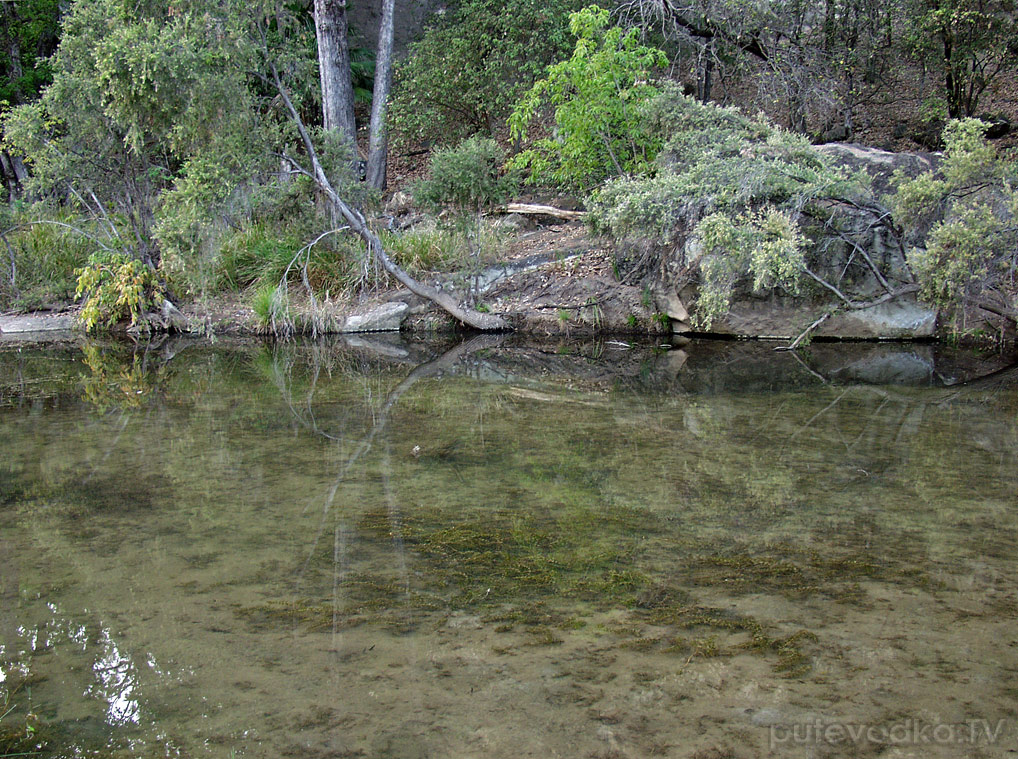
858	252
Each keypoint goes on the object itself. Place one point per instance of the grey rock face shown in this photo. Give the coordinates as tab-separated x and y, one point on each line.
386	317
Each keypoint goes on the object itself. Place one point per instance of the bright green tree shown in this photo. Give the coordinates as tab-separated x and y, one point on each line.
597	96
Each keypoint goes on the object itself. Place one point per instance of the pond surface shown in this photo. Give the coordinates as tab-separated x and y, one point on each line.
372	548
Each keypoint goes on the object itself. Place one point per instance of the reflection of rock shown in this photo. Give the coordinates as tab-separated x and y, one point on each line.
380	345
899	367
386	317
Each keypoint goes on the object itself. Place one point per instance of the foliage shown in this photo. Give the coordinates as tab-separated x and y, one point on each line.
464	75
968	44
731	193
151	117
262	254
45	252
968	208
816	62
116	287
597	96
270	306
437	247
28	35
467	177
766	243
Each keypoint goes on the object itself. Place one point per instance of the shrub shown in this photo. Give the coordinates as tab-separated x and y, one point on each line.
597	95
967	210
472	64
116	287
466	177
730	196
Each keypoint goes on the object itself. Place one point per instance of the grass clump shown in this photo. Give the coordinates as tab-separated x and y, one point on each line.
436	247
38	259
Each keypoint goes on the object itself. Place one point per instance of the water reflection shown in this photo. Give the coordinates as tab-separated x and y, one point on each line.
495	547
98	680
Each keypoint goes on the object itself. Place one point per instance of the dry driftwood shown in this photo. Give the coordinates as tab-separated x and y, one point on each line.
539	210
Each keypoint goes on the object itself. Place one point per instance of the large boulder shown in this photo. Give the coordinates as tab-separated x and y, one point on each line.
880	164
858	252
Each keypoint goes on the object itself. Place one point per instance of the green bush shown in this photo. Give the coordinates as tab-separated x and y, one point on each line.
730	192
116	288
472	64
466	177
967	209
597	95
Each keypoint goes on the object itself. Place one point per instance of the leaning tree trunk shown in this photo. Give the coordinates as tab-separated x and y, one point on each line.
334	67
378	146
359	225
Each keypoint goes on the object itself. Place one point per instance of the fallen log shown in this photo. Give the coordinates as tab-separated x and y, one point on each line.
539	210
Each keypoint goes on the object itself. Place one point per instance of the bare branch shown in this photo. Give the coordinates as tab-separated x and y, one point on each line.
859	305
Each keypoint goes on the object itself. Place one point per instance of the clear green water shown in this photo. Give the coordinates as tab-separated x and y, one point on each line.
503	550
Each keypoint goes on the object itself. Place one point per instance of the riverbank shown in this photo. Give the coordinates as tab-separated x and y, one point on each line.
551	276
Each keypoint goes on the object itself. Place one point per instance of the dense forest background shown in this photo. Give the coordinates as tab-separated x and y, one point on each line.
173	149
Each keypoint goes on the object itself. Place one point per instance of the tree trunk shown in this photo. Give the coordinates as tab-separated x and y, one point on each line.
334	68
378	146
20	171
358	224
7	173
16	71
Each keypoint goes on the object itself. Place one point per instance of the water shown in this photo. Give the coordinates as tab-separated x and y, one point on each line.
502	549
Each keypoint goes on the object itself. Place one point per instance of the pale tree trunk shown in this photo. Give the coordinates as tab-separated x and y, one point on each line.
334	67
358	224
378	146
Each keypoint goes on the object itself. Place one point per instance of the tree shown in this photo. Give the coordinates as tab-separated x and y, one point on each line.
146	98
378	140
358	224
596	94
969	42
474	61
818	59
28	36
331	30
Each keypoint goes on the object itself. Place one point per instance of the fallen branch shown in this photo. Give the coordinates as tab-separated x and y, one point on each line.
539	210
806	333
860	305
